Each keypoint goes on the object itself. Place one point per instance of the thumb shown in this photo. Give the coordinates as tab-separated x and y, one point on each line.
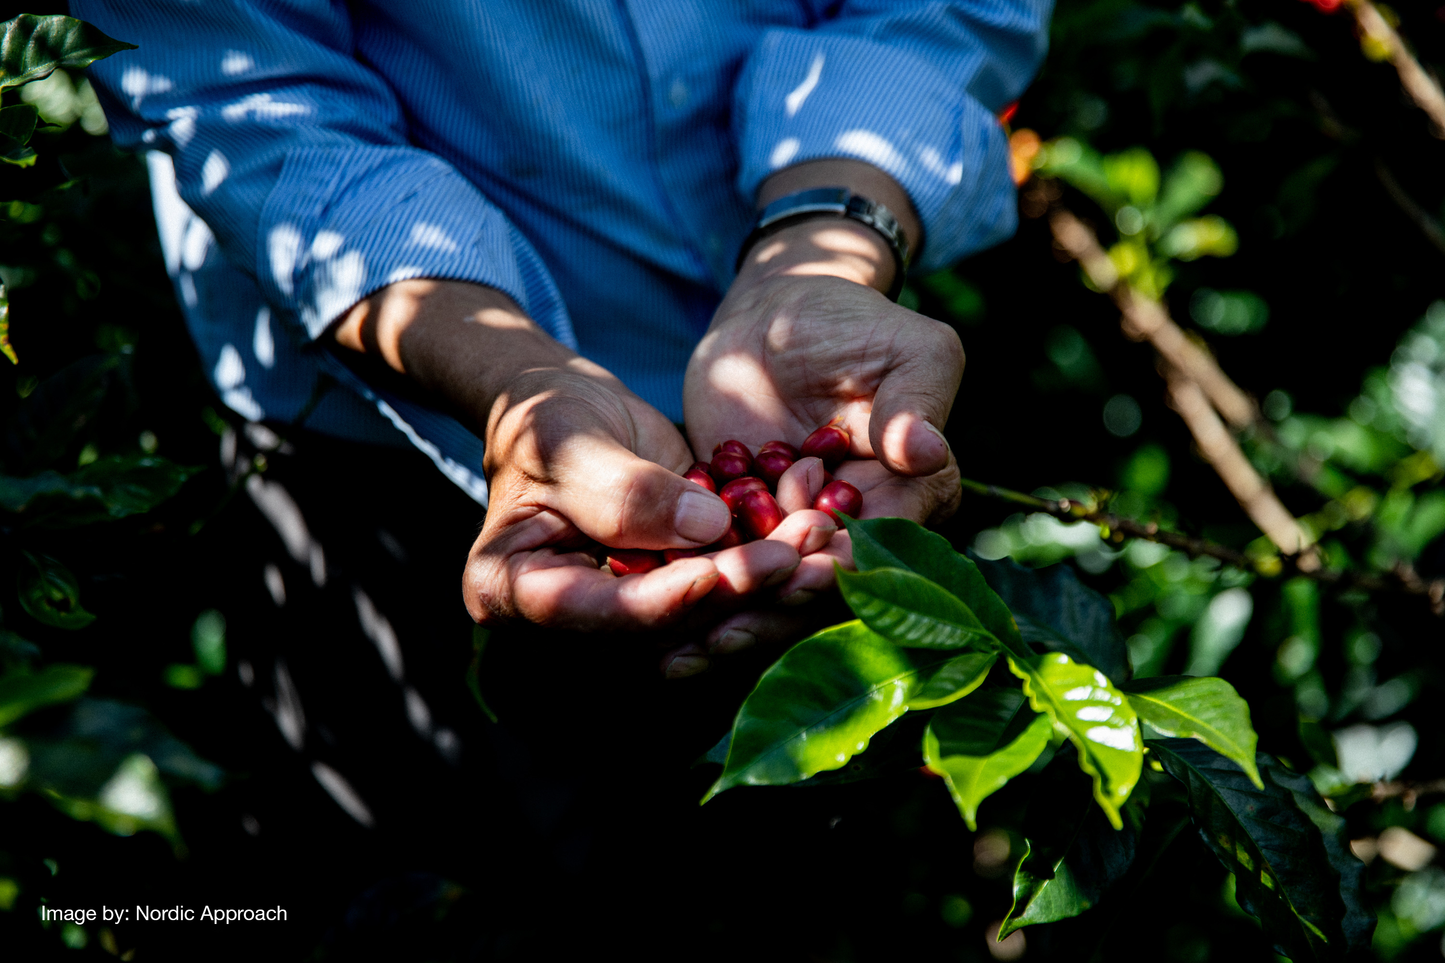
624	501
910	408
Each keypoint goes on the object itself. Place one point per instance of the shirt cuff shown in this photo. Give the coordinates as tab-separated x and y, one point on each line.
805	96
342	222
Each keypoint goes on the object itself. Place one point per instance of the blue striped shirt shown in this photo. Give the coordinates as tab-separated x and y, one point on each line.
594	159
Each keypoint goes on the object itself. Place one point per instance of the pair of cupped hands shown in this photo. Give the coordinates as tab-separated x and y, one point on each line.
575	460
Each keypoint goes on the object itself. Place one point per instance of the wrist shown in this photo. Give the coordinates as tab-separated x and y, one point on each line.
821	246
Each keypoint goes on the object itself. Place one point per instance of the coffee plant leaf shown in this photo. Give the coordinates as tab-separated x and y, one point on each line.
23	692
901	543
818	705
893	751
113	487
1206	709
1072	855
1095	717
1283	873
1359	922
16	125
981	742
947	682
1058	613
33	46
911	611
63	405
49	592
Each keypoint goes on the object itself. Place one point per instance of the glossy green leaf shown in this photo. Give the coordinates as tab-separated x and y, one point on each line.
1097	719
979	743
900	543
1058	613
1072	854
1358	923
113	487
17	124
910	610
1283	873
6	348
23	692
49	592
46	423
32	46
1205	709
819	704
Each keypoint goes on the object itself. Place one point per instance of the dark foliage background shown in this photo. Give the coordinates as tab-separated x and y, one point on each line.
1300	122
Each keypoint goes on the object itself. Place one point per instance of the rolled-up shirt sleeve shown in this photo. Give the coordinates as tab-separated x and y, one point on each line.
295	155
910	87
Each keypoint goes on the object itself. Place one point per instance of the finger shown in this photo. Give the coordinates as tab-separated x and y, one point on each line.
913	400
927	499
800	484
690	659
817	573
571	592
751	568
807	531
624	501
774	625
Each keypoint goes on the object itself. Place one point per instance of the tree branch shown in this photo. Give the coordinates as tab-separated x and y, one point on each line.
1423	89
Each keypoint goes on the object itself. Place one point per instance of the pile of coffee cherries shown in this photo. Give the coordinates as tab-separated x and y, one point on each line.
748	483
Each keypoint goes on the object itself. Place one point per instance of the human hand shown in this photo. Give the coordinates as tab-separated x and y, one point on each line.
573	458
803	338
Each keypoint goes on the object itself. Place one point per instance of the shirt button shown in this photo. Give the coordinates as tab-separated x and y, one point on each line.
677	93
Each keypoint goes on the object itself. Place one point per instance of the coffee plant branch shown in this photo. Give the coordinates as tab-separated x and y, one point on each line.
1118	527
1428	225
1197	387
1381	41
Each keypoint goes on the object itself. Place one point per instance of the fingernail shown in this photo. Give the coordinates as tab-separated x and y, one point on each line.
699	588
686	665
701	517
734	640
781	575
817	538
800	597
938	434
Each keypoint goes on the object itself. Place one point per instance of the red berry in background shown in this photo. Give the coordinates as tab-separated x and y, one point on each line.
839	496
732	538
760	513
632	561
770	465
783	447
727	465
829	443
734	446
673	554
698	474
732	493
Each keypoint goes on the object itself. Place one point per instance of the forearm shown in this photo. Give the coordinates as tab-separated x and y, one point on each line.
829	245
465	343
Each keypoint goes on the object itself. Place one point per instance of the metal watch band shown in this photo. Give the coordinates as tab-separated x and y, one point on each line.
839	202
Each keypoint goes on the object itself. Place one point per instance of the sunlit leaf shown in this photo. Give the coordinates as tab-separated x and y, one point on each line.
910	610
32	46
819	704
113	487
6	348
900	543
1058	613
24	692
49	592
1072	855
1283	872
981	742
1097	718
1205	709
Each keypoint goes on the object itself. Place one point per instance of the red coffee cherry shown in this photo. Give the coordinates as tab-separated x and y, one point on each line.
698	474
839	496
783	447
760	513
829	443
770	465
727	465
732	493
632	561
673	554
734	446
732	538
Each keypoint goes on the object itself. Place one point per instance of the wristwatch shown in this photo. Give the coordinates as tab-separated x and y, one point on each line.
839	202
